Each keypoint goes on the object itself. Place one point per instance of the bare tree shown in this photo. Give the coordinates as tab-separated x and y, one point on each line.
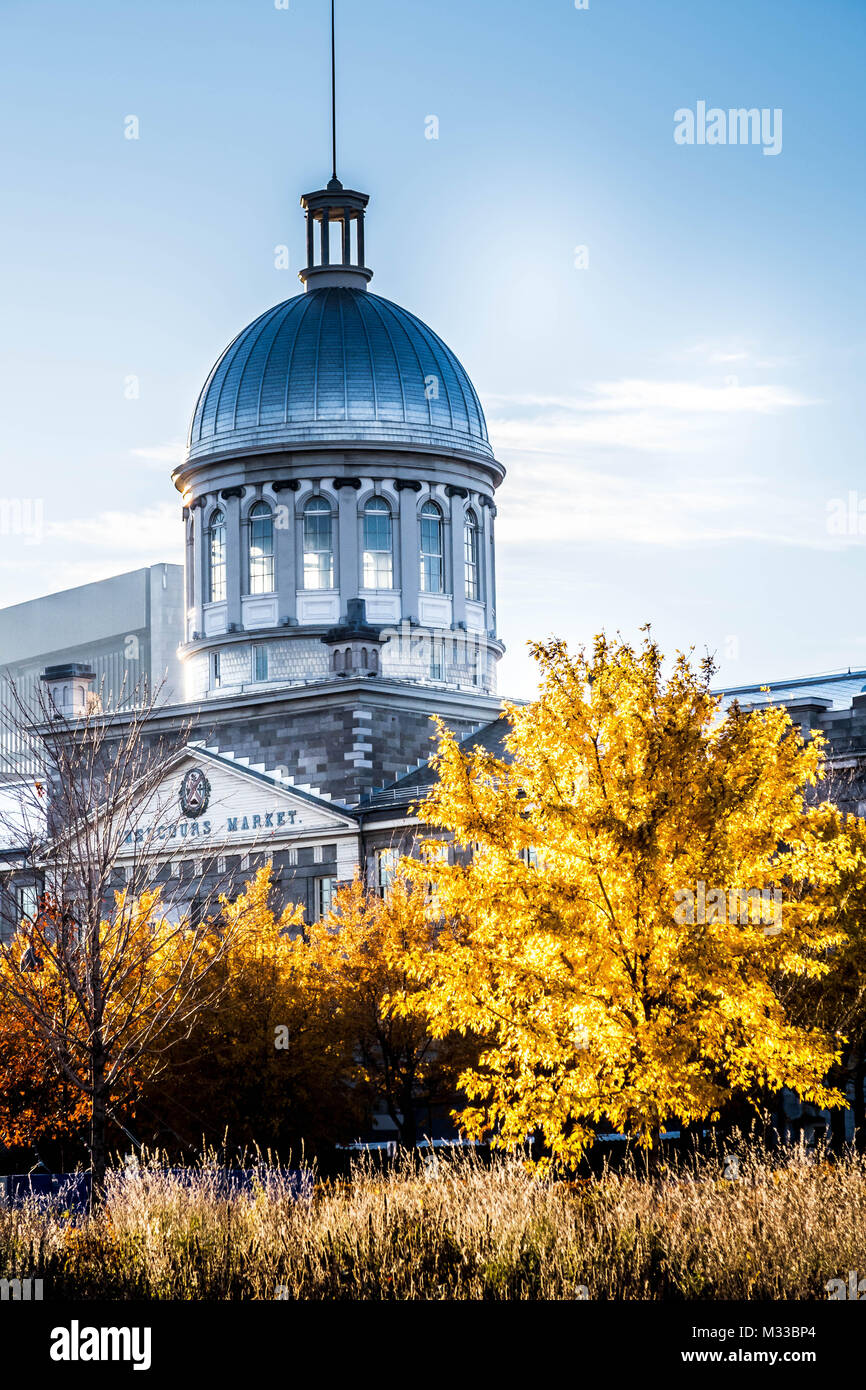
130	968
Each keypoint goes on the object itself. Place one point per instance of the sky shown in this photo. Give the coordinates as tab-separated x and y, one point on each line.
668	338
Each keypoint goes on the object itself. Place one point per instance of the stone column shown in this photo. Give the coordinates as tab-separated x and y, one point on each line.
326	237
488	511
458	497
232	500
285	576
200	560
347	543
410	561
491	599
194	559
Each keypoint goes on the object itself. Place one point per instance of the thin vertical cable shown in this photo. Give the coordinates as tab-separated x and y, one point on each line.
334	87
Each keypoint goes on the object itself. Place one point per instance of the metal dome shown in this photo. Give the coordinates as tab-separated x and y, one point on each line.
337	365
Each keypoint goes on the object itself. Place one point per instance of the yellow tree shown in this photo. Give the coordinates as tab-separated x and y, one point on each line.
265	1065
641	875
38	1105
836	1002
91	819
153	975
357	958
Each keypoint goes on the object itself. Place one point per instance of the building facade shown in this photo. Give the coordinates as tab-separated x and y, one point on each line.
338	504
339	587
338	494
123	629
114	639
833	705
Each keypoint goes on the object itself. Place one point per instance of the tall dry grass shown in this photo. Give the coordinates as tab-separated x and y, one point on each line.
458	1230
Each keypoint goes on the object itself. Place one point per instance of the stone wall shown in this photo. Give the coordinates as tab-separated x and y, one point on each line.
345	751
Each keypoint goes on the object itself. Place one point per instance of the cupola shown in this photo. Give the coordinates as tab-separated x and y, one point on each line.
335	261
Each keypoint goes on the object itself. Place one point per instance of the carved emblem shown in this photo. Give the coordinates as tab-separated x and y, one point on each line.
194	793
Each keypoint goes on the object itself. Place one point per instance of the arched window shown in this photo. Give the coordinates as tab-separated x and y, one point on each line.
261	549
470	550
217	558
378	545
432	550
318	545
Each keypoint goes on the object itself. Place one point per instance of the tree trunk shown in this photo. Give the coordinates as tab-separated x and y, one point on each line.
98	1123
837	1130
859	1103
651	1154
408	1129
689	1141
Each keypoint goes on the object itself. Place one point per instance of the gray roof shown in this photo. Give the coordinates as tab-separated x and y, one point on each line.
412	788
837	687
337	365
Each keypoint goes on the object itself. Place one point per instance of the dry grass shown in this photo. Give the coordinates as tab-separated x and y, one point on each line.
458	1230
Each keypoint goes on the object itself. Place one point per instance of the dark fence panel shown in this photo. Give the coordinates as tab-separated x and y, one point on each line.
72	1190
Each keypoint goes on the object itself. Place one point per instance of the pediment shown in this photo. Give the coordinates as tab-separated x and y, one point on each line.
212	801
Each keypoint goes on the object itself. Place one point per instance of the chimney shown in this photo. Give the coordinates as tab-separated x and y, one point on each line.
69	690
355	645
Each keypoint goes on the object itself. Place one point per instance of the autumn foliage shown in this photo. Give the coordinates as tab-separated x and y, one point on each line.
309	1038
46	1094
595	952
359	957
564	939
266	1066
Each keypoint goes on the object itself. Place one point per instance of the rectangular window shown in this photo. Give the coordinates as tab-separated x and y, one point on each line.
432	550
437	659
325	890
215	677
378	570
260	662
434	852
26	901
386	869
470	549
318	546
378	562
217	565
318	571
261	524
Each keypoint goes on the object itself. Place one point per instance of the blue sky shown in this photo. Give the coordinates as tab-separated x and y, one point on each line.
676	418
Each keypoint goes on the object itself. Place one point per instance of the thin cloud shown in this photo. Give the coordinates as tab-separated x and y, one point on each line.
639	414
153	531
744	353
677	397
160	455
602	507
562	433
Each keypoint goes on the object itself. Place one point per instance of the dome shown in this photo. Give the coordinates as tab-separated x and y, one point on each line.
337	365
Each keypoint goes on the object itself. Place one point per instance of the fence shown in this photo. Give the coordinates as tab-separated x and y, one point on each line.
72	1190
